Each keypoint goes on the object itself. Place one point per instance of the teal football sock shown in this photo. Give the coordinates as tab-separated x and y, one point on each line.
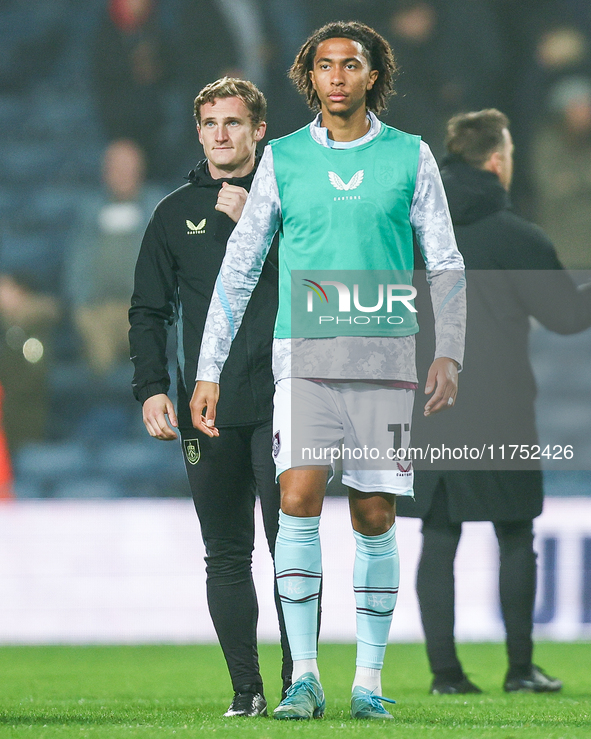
298	568
375	581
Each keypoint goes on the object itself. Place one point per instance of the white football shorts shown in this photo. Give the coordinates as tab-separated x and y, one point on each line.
362	426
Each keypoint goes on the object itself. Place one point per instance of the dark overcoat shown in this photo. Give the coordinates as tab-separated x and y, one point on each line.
513	274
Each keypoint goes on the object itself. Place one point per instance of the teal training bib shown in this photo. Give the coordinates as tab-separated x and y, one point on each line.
346	210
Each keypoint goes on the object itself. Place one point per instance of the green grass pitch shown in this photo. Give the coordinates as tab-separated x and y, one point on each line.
182	691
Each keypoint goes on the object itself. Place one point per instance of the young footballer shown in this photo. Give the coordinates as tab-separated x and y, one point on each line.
346	193
175	275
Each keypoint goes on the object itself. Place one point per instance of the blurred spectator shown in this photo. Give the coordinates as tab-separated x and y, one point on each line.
320	12
100	267
220	38
288	29
519	23
562	47
246	21
413	30
545	41
472	54
30	51
562	169
27	317
215	51
286	25
208	45
131	67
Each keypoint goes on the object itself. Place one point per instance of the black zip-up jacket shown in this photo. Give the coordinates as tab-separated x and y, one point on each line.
178	263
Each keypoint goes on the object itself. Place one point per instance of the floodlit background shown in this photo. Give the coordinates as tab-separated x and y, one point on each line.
96	120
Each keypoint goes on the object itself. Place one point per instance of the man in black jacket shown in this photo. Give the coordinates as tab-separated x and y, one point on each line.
179	260
513	273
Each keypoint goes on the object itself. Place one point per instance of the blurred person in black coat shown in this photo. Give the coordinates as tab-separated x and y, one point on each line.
513	273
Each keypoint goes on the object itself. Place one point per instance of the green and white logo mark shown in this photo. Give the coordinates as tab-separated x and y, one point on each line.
192	450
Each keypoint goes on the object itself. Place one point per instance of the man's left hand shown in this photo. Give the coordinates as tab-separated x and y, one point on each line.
205	395
231	199
442	381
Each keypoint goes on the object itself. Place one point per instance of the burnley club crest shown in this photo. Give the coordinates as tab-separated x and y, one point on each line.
192	450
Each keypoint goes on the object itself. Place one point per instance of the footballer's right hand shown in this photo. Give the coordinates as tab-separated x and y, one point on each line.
205	396
155	410
231	199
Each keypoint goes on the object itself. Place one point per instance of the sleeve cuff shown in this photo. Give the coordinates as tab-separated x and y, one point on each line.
458	358
156	388
210	375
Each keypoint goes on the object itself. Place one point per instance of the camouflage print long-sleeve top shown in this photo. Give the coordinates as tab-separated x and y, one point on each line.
342	357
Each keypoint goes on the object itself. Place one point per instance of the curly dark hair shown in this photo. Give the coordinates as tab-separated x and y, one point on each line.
376	49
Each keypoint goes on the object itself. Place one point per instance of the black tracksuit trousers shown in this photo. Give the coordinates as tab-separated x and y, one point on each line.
232	469
435	589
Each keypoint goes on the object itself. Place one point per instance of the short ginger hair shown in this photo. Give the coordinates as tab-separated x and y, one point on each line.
475	136
229	87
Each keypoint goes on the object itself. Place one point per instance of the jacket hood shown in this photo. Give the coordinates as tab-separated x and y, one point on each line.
200	176
472	193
